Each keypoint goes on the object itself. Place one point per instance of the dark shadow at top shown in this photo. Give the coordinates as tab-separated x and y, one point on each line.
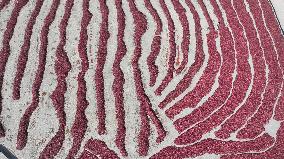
6	152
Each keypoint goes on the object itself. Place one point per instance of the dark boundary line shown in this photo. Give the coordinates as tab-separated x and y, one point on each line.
7	152
276	17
